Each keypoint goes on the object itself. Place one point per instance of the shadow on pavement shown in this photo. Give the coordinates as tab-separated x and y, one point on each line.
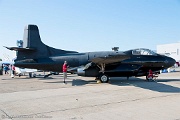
158	86
80	82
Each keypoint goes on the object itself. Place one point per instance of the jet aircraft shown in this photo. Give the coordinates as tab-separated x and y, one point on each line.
137	62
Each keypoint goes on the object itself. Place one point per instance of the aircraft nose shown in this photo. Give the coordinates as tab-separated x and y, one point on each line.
169	61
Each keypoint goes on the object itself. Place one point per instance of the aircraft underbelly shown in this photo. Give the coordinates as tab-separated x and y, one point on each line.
121	73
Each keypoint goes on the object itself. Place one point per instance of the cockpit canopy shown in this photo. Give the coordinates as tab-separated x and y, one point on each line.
143	51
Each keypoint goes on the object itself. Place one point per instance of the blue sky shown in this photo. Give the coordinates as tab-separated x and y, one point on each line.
91	25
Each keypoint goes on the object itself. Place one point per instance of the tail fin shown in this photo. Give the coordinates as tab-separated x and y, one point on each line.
33	47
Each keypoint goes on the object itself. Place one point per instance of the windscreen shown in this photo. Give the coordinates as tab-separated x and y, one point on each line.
143	52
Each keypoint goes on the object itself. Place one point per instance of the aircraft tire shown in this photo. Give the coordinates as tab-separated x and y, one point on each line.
104	78
19	75
34	75
148	79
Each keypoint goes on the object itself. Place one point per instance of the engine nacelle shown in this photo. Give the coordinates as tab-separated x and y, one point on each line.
90	72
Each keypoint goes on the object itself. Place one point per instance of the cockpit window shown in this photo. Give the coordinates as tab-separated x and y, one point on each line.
143	52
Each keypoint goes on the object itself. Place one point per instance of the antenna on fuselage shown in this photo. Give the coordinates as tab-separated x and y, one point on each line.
115	48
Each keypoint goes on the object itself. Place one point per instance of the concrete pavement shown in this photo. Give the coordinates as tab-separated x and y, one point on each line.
83	99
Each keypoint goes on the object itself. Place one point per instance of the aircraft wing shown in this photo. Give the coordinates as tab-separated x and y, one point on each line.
110	59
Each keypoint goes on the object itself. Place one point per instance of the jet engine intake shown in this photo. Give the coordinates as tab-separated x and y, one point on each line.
90	72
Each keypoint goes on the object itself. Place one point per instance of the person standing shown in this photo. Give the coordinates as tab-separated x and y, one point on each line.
6	68
13	71
65	70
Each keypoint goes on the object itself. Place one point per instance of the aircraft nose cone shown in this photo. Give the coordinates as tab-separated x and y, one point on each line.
169	62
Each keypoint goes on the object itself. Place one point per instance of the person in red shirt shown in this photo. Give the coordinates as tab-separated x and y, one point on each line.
150	75
13	71
64	68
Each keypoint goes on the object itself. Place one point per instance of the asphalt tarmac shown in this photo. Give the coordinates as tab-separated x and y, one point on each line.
23	98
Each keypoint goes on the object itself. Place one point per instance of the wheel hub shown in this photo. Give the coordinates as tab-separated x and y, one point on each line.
104	78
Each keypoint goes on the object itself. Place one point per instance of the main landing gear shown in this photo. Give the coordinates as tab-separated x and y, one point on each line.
102	76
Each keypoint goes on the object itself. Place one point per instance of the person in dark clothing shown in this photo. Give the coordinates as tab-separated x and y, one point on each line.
6	68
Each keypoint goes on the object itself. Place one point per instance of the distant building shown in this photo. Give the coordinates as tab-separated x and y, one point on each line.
171	50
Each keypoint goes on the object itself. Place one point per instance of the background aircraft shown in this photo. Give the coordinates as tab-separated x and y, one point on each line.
102	65
23	71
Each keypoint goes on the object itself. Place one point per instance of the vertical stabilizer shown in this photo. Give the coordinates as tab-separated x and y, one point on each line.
34	47
32	39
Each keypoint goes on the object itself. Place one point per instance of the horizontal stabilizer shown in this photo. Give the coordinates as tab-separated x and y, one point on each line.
20	49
